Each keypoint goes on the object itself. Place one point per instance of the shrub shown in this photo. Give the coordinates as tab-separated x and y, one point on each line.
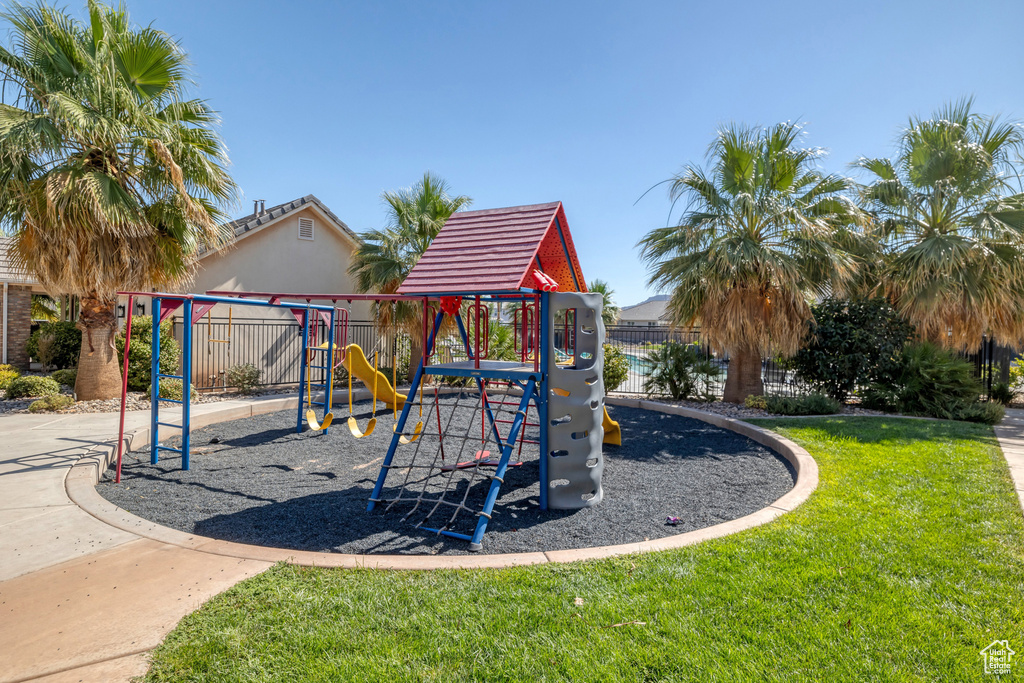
989	413
32	385
171	388
616	368
758	402
1017	371
851	344
140	355
66	377
245	377
64	347
681	371
812	404
51	403
927	381
1003	393
8	373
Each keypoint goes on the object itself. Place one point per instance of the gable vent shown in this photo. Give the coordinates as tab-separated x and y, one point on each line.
305	228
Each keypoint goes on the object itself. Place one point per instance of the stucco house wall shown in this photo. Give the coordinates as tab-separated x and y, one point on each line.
273	258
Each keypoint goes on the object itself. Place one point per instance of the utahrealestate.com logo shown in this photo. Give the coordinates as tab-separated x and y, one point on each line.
998	657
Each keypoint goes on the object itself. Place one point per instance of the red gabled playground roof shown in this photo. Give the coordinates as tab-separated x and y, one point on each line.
497	250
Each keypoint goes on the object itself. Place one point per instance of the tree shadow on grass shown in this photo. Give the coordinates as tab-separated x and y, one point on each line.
887	428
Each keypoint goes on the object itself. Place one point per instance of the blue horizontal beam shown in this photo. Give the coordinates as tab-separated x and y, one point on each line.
442	371
237	301
453	534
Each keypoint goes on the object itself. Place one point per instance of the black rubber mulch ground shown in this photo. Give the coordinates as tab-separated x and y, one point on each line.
257	481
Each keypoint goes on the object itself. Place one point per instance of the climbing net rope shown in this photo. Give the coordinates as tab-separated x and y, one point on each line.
443	477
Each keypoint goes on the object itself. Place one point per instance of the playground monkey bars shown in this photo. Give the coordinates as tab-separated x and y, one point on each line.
194	307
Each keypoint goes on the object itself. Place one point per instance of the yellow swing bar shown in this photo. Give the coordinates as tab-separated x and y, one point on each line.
310	413
209	330
418	429
353	424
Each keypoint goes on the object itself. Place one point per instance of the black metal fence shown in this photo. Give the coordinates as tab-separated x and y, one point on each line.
274	346
641	345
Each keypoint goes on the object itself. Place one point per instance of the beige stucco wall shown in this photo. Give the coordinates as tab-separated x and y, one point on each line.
274	259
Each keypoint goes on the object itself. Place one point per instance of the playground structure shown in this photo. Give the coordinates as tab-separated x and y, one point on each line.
522	257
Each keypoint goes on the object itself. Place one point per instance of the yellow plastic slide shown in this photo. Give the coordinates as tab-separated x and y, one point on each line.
612	432
356	363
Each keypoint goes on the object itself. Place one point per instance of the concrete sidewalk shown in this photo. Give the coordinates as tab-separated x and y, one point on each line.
81	600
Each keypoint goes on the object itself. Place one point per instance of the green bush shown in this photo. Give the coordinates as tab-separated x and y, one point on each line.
812	404
8	373
616	368
680	371
989	413
66	377
1003	393
139	356
65	347
758	402
171	388
927	381
851	344
244	377
32	385
51	403
1017	372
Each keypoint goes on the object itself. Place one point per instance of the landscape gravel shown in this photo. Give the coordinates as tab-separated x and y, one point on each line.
257	481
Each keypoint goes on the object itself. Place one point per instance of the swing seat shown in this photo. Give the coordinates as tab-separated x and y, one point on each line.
416	431
316	426
353	426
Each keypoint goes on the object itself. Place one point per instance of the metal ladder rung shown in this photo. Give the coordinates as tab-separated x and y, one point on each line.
168	448
171	400
171	376
169	424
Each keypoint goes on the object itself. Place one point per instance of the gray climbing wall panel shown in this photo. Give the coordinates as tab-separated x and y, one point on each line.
575	405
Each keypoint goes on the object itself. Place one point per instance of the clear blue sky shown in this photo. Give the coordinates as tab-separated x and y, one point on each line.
589	103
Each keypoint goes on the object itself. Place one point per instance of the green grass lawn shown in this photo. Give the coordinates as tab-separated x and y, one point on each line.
906	562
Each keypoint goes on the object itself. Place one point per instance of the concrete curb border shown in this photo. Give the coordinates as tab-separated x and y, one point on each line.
82	478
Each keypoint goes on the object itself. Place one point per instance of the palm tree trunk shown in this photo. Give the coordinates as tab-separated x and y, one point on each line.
99	376
415	355
744	376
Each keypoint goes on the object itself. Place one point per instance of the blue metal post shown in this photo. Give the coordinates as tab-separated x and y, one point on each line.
400	425
499	471
542	397
329	399
154	386
186	383
302	369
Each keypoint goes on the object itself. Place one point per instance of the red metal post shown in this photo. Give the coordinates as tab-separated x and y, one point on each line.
124	386
536	332
476	350
426	314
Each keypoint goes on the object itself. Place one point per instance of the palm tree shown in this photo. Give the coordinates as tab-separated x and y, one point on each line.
44	308
763	230
609	311
110	178
385	257
953	227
